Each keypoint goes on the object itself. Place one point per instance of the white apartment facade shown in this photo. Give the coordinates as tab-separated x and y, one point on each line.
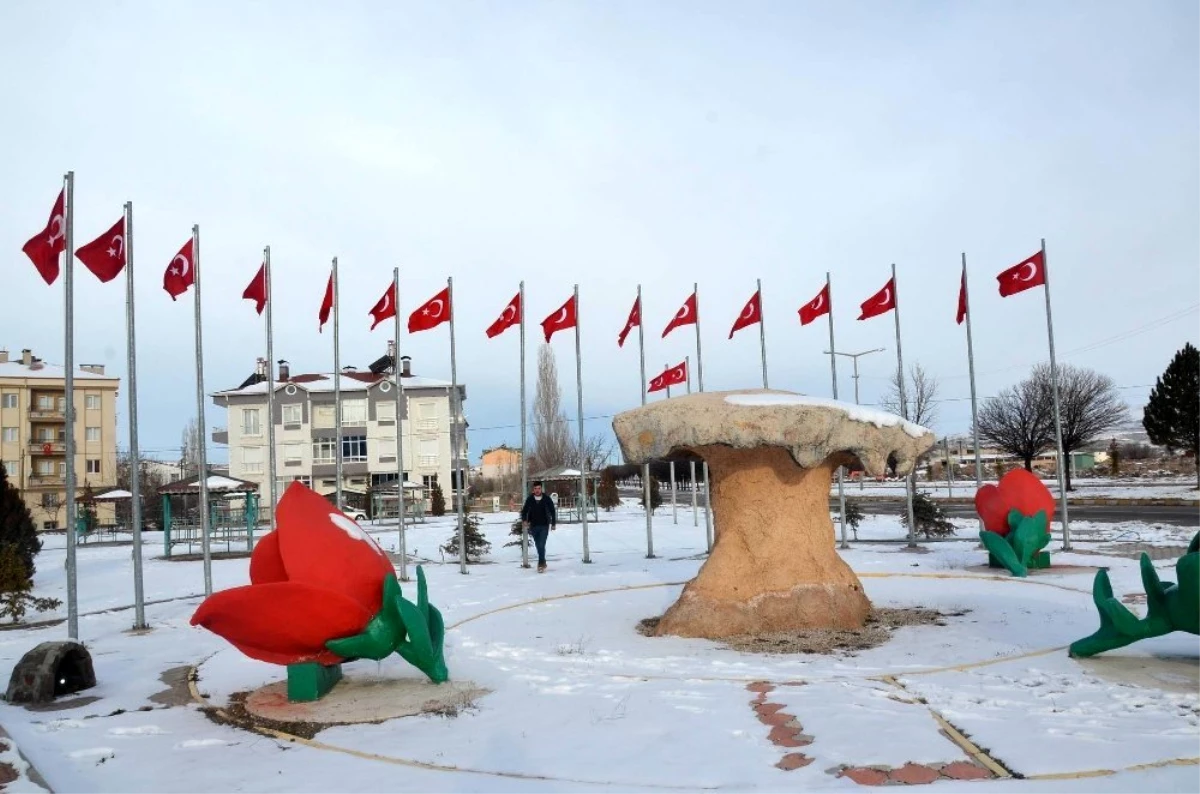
305	434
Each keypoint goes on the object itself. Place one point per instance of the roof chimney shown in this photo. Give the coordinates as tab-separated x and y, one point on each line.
27	357
95	369
284	371
260	367
3	356
406	366
391	349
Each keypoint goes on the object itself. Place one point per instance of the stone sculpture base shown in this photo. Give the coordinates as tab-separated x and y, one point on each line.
774	566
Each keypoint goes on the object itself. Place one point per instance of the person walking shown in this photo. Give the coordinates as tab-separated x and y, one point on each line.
539	517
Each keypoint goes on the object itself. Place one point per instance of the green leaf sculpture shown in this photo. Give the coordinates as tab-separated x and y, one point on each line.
1021	548
415	631
1169	606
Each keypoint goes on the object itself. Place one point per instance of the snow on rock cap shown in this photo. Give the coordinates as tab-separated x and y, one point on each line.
811	428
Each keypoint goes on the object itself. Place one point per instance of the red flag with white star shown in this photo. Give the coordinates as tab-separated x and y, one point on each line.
508	318
385	307
881	302
257	291
1024	275
751	314
105	256
180	274
431	313
685	316
326	306
817	307
561	319
635	320
673	376
45	246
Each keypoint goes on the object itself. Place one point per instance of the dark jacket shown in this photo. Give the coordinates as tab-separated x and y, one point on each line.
539	512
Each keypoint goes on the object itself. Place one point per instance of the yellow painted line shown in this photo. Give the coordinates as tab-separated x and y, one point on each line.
564	597
1194	761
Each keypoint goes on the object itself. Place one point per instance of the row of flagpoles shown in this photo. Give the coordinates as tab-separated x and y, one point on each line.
112	252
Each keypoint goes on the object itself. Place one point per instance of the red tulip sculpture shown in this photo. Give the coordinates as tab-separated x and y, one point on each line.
1016	519
322	592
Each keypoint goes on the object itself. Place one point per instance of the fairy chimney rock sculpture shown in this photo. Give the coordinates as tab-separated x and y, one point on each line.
771	457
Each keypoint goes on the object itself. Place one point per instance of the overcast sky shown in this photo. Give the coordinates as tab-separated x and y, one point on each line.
607	144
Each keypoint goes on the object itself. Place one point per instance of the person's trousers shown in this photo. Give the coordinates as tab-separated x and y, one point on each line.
539	540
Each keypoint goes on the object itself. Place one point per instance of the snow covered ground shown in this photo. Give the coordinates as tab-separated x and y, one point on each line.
579	701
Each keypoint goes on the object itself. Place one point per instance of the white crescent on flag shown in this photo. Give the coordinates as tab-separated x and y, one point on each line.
440	306
183	259
1033	270
748	312
679	373
887	296
387	301
818	302
510	313
683	312
56	228
562	316
116	246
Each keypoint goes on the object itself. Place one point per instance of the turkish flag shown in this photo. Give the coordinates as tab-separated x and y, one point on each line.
881	302
750	315
962	299
670	377
507	319
685	316
257	291
560	319
1026	275
181	273
816	307
385	307
635	320
431	314
105	256
45	246
326	306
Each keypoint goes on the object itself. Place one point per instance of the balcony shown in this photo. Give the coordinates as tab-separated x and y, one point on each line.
220	435
44	414
47	480
44	446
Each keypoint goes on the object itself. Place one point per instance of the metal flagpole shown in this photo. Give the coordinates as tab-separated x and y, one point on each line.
455	411
762	332
201	424
708	527
69	386
135	466
1062	460
845	544
402	545
524	461
692	463
645	466
949	467
908	481
971	370
583	462
337	396
671	464
273	491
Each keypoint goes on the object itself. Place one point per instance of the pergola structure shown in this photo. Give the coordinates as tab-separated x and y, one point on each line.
383	501
227	522
562	484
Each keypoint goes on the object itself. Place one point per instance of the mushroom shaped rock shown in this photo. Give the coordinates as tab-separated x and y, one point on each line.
771	456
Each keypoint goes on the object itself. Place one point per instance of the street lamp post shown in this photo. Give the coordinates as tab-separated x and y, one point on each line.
854	357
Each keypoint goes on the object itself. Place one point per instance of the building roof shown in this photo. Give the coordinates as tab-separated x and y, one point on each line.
323	382
216	484
562	473
40	369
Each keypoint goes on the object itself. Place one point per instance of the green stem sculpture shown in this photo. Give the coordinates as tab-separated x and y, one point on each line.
415	631
1021	549
1169	606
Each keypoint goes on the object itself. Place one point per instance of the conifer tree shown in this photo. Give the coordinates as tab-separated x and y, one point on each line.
1172	415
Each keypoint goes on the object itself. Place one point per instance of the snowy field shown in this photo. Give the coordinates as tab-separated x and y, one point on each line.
579	701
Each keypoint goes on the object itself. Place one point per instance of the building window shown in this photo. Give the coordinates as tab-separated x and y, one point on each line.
45	402
385	413
12	467
93	466
92	402
92	434
354	412
354	449
427	454
323	450
252	459
251	425
9	400
429	480
43	467
48	525
293	453
322	416
50	500
10	434
293	414
387	449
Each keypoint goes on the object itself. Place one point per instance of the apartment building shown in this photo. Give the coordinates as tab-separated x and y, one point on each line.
500	462
33	434
305	441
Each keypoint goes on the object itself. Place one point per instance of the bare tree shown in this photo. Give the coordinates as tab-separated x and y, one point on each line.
1089	406
189	448
1018	421
554	443
920	396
